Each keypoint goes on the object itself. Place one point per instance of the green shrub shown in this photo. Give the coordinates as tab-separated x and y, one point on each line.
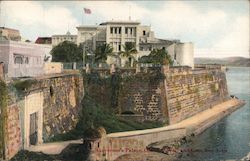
22	85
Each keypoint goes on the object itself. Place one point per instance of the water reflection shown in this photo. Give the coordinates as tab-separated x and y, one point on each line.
229	138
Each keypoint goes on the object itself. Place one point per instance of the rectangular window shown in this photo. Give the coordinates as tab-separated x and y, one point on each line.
18	59
111	30
120	29
144	32
115	30
119	47
131	31
126	30
26	60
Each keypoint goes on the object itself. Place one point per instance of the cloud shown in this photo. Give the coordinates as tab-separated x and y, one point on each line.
234	42
212	29
237	37
180	18
31	14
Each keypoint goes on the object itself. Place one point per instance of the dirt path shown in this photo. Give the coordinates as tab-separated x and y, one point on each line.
52	148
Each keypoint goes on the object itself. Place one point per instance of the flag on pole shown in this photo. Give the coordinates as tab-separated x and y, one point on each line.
87	11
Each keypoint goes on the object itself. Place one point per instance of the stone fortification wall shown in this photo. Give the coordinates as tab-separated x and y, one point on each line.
192	91
10	124
161	93
143	94
13	142
113	145
61	104
55	100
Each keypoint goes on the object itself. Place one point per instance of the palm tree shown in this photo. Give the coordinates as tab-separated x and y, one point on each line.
129	52
102	52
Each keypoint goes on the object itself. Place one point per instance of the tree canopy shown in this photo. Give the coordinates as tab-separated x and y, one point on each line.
157	56
129	51
102	52
66	52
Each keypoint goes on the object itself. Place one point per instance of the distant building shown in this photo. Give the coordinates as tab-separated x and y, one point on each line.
43	40
117	33
22	59
10	34
56	39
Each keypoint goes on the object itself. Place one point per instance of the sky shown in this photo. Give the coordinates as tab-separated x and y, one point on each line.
217	28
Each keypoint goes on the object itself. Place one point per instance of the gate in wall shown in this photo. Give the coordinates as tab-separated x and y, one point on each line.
33	128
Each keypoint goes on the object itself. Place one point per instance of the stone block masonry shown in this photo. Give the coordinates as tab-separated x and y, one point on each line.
143	95
163	94
45	107
61	105
192	91
13	133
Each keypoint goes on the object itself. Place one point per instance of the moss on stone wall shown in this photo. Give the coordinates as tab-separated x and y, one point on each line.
22	85
3	116
110	90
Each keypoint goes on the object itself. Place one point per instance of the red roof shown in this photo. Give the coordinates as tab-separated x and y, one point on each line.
43	40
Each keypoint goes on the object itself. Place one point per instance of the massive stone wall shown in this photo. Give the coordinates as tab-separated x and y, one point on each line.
111	146
162	93
55	99
192	91
13	140
61	105
143	94
10	124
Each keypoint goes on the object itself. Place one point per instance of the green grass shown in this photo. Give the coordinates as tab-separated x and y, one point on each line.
94	116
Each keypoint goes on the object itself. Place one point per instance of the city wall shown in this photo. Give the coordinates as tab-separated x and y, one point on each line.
144	93
113	145
55	101
192	91
161	94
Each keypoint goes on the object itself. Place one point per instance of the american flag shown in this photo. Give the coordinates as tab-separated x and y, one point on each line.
87	11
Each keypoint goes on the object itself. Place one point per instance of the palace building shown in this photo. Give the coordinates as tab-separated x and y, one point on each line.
117	33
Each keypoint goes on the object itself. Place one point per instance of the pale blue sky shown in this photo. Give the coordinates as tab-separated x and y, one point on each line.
217	28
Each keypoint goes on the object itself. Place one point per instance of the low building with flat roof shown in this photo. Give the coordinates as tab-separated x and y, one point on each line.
10	34
43	40
57	39
22	59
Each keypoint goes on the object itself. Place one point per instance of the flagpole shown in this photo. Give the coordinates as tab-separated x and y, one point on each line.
82	18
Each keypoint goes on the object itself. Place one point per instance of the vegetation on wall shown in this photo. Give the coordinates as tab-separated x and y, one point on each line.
22	85
3	116
151	77
94	115
157	56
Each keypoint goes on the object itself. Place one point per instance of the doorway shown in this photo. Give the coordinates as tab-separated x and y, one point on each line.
33	128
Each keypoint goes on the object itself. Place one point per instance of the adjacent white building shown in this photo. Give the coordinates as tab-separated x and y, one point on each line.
56	39
22	59
117	33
